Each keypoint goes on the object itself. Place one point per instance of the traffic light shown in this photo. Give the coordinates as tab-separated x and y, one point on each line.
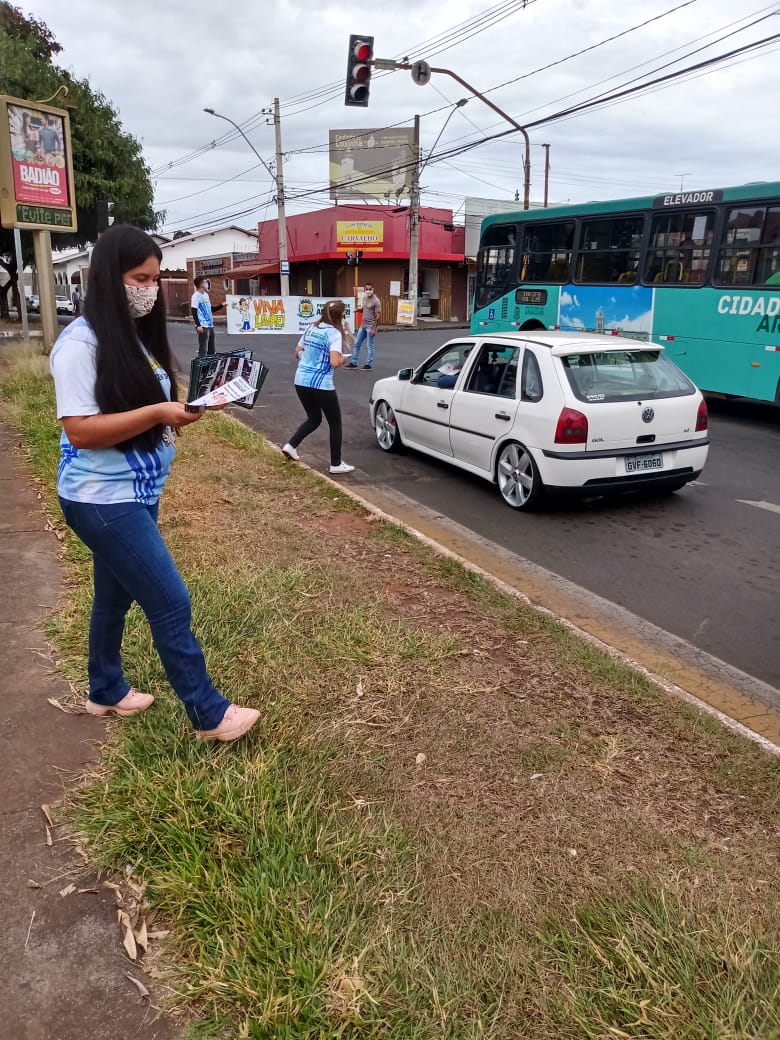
353	259
105	215
361	54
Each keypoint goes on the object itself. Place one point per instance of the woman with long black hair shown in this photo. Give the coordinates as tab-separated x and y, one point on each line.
117	400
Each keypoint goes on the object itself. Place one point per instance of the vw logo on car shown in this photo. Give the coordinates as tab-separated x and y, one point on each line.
648	415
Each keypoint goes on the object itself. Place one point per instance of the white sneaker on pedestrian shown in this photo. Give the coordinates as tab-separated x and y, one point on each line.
290	452
343	467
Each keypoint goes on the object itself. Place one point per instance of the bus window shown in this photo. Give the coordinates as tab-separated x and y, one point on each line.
750	254
546	254
495	262
609	249
679	248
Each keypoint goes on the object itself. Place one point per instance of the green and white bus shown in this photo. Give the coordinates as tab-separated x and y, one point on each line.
697	271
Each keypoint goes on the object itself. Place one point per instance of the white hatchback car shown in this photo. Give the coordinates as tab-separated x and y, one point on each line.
554	412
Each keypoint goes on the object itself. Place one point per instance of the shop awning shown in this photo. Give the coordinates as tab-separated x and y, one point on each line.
252	271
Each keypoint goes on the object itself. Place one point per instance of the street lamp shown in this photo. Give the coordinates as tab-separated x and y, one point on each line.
284	279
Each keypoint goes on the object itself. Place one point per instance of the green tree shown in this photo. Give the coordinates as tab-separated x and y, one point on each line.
107	162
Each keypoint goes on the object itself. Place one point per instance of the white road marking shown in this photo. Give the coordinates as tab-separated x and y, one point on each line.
760	505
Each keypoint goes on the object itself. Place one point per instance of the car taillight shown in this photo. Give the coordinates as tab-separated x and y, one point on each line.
702	422
572	427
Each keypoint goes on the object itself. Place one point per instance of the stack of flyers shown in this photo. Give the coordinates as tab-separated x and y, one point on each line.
212	371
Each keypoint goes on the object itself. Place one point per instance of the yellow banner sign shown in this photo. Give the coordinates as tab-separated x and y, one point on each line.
405	312
368	235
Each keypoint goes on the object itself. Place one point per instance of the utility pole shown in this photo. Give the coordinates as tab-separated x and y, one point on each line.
284	266
414	220
546	171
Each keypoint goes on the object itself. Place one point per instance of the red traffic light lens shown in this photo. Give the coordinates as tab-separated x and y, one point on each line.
359	67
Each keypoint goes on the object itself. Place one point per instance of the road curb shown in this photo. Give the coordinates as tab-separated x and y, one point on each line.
672	688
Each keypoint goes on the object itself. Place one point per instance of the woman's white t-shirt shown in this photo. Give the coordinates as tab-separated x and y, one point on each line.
101	475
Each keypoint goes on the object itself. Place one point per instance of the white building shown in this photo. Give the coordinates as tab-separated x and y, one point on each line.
201	245
70	267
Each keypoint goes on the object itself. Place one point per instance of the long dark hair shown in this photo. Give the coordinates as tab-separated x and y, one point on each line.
125	379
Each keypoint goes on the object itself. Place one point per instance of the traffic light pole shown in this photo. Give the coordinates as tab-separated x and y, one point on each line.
421	73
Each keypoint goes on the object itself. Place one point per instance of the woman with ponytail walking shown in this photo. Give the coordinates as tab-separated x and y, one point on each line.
320	350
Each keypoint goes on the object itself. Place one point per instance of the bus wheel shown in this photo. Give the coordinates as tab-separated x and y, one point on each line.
518	478
532	325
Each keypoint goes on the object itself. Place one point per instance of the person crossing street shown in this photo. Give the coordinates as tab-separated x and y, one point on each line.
372	308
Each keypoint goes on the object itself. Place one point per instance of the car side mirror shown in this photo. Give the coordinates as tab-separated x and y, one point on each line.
406	374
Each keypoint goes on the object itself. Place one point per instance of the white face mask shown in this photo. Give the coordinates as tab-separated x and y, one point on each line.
141	299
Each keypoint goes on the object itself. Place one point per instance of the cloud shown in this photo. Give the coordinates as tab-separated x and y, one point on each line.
639	323
160	65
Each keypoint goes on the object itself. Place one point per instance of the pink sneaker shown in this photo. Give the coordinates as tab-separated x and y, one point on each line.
131	704
235	723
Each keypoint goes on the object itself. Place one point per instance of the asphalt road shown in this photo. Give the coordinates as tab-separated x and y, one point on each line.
703	564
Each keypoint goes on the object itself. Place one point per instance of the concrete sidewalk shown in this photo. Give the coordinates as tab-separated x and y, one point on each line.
64	971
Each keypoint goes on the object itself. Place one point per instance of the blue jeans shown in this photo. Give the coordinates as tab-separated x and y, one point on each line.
363	334
206	341
132	562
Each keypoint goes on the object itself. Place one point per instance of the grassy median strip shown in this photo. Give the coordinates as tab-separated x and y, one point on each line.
456	819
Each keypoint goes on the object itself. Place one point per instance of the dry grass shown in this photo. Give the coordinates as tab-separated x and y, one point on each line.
477	825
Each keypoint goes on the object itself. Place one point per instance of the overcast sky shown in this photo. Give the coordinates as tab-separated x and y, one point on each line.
161	64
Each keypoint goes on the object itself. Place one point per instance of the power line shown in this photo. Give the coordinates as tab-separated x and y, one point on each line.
459	33
703	67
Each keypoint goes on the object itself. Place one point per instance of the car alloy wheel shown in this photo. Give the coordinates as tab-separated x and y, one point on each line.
386	428
517	477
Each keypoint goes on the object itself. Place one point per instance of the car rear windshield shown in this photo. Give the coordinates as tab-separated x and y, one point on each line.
624	375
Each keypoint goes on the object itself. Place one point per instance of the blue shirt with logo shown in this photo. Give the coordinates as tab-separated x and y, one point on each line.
101	475
201	303
314	367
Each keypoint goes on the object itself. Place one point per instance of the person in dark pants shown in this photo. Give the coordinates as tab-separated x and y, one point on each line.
321	349
117	400
203	315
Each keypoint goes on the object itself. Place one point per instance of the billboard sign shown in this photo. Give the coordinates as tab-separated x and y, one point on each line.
371	163
279	315
36	169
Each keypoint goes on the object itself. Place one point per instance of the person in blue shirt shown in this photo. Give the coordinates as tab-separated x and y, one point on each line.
321	349
117	400
203	315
